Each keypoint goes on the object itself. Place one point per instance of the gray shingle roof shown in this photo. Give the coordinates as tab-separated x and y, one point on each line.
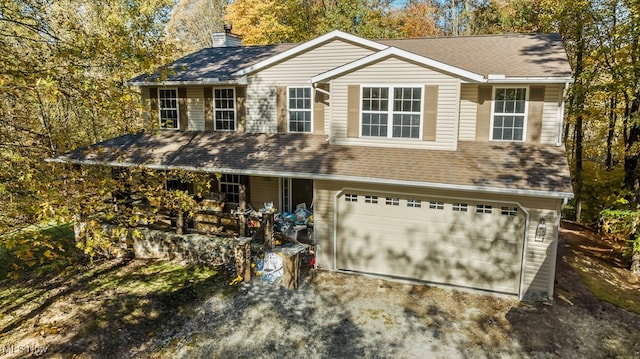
495	166
217	63
516	55
538	55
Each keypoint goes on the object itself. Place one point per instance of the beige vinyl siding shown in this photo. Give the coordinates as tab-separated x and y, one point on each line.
539	261
296	71
468	112
195	108
539	258
263	189
261	107
393	71
550	113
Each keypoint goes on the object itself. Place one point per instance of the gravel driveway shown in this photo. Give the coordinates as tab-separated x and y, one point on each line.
336	315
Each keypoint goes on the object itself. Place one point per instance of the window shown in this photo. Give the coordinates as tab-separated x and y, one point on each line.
509	211
392	201
483	208
230	186
351	197
371	199
459	207
436	205
415	203
404	112
509	114
224	109
300	109
168	107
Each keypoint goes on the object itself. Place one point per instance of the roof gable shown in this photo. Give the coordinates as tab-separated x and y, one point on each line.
392	51
333	35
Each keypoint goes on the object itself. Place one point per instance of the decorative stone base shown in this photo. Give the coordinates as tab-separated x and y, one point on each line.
155	244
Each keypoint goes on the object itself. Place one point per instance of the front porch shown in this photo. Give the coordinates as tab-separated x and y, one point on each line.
222	225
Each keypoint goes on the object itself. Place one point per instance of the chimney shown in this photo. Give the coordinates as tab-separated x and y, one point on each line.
226	38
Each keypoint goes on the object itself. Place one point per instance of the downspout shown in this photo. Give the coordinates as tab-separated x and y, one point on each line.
328	93
561	115
523	267
335	229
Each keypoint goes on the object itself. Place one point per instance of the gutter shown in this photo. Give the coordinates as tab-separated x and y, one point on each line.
203	82
316	176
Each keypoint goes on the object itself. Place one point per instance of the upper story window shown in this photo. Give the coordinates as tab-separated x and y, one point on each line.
168	107
509	114
224	109
392	112
300	109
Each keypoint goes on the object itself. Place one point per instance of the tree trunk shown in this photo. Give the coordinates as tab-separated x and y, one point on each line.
611	132
632	154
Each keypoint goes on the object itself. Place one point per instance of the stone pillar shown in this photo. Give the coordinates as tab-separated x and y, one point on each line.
242	254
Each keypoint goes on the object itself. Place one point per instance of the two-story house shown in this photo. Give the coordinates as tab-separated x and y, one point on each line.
435	159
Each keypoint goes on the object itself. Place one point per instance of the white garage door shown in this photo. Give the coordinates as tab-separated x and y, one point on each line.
468	243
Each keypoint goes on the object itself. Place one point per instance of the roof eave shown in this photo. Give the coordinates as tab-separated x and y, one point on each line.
531	79
206	81
316	176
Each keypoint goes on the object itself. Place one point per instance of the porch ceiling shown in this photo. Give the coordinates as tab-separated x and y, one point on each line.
491	166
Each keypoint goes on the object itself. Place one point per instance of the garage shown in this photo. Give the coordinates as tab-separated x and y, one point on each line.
469	243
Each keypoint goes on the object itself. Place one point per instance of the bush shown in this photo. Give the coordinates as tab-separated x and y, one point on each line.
624	223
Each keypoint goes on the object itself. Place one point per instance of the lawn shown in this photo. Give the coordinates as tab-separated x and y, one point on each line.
132	308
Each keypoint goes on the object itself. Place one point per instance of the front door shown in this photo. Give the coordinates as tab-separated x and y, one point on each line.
296	191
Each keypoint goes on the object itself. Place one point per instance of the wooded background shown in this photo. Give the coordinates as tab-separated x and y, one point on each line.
64	66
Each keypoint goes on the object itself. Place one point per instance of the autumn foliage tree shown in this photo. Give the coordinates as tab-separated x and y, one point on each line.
62	80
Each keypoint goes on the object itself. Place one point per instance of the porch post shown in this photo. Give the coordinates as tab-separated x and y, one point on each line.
242	207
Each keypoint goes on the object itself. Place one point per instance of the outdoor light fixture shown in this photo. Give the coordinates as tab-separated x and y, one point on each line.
541	230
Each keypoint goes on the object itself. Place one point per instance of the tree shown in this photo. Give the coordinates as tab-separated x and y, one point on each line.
194	21
62	77
419	19
277	21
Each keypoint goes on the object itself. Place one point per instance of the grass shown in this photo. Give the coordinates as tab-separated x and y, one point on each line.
606	291
108	307
38	250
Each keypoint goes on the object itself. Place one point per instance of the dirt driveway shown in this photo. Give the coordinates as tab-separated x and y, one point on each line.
347	316
332	315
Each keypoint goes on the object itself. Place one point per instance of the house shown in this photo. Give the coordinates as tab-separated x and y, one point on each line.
436	159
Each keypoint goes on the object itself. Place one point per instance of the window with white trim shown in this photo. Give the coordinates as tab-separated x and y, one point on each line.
436	205
459	207
484	208
168	108
230	186
224	109
300	109
371	199
414	203
392	201
509	108
509	211
350	197
401	119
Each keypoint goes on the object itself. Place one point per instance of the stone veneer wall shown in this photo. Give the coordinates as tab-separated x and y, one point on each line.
156	244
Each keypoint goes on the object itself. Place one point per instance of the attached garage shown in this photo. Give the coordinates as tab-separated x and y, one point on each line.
470	243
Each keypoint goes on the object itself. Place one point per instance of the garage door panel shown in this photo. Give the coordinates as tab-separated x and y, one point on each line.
480	250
